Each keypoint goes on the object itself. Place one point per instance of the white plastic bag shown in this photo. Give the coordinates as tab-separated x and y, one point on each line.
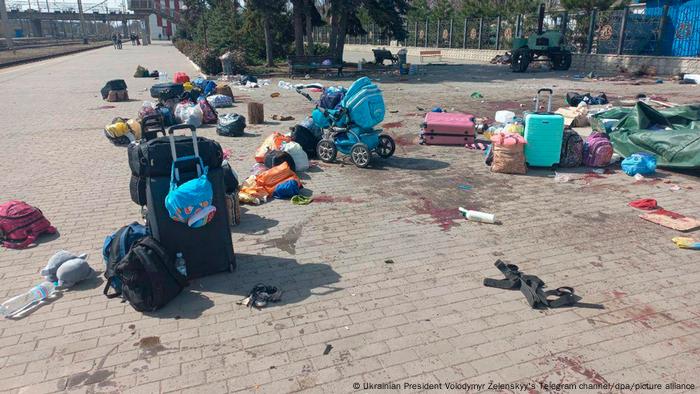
147	108
301	160
220	101
189	113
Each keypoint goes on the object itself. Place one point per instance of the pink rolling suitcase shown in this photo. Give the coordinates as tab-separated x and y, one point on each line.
448	128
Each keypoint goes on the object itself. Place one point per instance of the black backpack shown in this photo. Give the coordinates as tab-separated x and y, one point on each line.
276	157
115	84
304	137
149	279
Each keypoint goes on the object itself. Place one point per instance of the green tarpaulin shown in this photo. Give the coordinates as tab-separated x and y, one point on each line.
672	134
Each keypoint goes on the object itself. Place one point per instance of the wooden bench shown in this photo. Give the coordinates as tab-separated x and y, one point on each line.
383	54
437	54
306	64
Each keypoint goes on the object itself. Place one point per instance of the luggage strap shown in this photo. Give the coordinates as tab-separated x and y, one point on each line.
510	271
106	289
532	288
565	296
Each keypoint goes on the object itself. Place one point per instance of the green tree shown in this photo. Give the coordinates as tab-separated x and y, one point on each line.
344	19
420	10
298	18
222	25
194	16
442	9
586	5
267	10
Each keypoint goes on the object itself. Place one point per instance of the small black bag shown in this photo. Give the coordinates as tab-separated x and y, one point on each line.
115	84
149	279
304	137
167	90
231	125
277	157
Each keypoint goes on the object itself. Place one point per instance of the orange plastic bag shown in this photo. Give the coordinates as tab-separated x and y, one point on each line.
269	179
272	142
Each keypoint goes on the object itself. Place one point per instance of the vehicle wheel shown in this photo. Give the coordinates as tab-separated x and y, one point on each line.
326	151
360	155
561	60
386	146
521	59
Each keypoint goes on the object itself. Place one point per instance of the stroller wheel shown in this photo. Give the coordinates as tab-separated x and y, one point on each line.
326	151
386	146
360	155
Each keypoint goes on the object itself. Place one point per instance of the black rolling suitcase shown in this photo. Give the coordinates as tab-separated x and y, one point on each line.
167	90
207	250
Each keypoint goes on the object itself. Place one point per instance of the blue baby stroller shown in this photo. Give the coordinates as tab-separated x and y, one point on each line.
349	128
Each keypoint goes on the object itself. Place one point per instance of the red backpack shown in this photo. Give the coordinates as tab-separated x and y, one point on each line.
21	224
181	77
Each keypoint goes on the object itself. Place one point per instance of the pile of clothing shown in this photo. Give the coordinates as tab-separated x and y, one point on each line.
506	58
278	160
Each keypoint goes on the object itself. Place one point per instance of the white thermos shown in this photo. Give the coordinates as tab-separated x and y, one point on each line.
477	216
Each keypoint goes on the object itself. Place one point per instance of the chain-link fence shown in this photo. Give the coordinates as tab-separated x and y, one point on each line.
604	32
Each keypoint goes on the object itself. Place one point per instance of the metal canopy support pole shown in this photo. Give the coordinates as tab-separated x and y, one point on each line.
498	33
623	28
451	32
83	33
437	34
564	23
662	27
415	35
481	29
425	36
464	35
591	31
147	34
6	31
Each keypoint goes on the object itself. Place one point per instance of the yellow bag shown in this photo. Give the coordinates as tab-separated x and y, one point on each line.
188	86
117	129
135	126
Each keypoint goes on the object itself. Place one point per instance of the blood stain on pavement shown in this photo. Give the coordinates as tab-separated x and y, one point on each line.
444	217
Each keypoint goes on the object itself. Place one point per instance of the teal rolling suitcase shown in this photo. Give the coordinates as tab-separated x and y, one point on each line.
543	132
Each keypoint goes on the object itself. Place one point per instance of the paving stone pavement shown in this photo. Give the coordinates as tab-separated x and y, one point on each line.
426	318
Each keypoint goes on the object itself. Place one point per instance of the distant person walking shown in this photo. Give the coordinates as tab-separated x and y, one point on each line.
138	40
114	40
132	37
119	41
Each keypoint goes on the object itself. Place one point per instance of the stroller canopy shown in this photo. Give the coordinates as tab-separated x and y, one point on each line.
364	103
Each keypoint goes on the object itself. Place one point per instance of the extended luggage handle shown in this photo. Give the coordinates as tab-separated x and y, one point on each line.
549	102
195	145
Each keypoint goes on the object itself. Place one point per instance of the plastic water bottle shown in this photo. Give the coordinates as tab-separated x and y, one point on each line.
477	216
180	264
34	295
